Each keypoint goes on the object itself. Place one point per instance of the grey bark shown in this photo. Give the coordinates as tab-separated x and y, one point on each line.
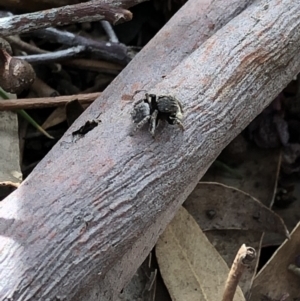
112	11
103	199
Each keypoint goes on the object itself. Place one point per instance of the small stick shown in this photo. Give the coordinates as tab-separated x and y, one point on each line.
41	89
243	258
93	65
110	32
46	102
52	57
20	44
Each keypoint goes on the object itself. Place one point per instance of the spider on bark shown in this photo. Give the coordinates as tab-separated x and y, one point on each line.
154	108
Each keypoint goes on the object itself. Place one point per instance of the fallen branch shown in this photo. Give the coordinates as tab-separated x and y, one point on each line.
32	4
90	11
46	102
106	196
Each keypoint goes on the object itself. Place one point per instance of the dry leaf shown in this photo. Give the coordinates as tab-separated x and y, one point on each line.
191	267
275	281
259	171
216	206
289	214
142	286
232	209
56	117
10	171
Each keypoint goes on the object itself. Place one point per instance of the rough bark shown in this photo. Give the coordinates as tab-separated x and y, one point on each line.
112	11
103	198
31	5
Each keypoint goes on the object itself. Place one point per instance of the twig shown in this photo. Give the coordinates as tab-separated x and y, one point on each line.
82	12
114	52
243	258
41	89
93	65
52	57
19	44
46	102
110	32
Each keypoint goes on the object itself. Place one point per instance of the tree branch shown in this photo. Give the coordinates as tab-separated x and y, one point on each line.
106	196
90	11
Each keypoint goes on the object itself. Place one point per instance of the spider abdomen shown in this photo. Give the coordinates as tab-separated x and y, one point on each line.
140	111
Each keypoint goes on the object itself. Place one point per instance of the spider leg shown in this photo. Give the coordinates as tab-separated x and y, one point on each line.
150	98
136	102
142	123
138	91
153	123
178	122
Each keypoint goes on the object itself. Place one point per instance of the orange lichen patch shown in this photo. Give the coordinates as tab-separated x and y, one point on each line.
126	97
206	80
210	45
258	57
248	62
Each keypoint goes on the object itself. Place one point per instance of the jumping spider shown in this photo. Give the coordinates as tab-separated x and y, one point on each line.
154	108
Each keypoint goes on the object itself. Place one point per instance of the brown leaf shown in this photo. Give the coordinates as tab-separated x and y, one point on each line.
191	267
216	206
259	171
56	117
275	280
